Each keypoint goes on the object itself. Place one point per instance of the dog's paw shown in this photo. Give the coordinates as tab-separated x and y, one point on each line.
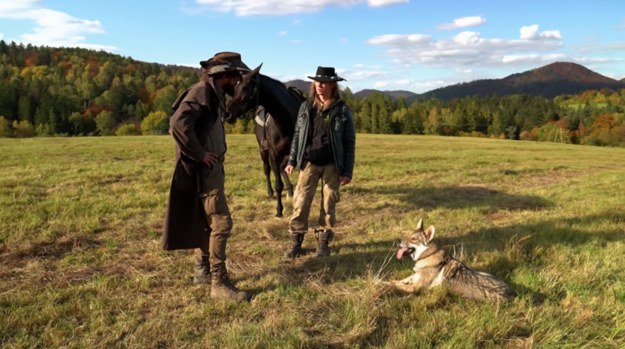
380	281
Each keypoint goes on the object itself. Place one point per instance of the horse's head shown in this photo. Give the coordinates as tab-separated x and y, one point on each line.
245	96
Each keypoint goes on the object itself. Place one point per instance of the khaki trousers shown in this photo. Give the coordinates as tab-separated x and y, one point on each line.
305	192
217	215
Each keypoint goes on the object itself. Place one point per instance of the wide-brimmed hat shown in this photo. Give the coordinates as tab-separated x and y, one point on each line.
223	62
326	74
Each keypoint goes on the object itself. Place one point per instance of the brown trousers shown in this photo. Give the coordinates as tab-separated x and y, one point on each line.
217	215
305	192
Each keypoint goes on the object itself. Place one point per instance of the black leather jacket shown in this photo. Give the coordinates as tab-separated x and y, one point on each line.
342	137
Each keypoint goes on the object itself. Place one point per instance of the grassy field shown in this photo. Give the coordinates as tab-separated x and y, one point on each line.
81	267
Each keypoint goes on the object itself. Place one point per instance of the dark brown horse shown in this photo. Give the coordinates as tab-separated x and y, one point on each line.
274	132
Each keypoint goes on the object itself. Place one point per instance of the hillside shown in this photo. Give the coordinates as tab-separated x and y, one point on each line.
72	92
549	81
302	85
408	96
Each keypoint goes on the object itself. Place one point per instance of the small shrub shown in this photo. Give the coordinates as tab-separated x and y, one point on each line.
5	128
156	123
23	129
105	123
127	130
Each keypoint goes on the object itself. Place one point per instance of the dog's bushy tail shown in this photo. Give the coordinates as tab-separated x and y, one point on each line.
480	286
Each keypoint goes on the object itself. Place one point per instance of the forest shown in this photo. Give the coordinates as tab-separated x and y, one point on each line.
47	91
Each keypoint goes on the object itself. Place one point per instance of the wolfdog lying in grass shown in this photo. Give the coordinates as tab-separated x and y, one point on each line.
434	267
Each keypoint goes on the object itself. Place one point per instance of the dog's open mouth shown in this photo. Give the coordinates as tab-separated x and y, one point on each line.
404	251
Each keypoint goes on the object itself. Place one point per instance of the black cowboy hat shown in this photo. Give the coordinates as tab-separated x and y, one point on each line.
223	62
326	74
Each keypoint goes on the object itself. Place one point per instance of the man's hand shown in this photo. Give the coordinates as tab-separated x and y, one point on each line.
288	169
209	159
345	180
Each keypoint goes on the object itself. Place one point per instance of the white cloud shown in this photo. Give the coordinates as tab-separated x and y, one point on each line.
534	58
393	84
399	40
463	22
379	3
531	33
362	74
282	33
467	49
281	7
432	84
596	47
9	7
53	28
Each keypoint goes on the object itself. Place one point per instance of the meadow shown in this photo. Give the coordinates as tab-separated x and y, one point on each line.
81	264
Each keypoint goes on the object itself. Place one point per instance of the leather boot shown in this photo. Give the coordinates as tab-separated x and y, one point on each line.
222	289
202	273
323	239
295	249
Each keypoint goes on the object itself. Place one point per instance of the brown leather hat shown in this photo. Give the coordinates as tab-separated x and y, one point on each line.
223	62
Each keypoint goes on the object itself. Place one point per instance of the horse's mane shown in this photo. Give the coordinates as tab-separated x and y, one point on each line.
297	93
294	91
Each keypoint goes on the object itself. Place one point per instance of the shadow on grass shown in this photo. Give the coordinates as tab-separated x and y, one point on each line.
565	231
48	249
523	244
519	246
456	197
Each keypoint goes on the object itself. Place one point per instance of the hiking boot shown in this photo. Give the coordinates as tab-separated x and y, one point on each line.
222	289
323	239
202	273
295	249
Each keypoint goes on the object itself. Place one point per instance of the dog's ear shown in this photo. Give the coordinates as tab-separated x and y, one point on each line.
420	225
429	233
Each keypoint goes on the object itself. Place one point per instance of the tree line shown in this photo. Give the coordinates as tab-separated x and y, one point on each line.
48	91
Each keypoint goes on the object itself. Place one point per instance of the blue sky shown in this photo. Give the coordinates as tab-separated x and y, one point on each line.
412	45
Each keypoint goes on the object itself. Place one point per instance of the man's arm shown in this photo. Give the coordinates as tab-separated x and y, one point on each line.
182	128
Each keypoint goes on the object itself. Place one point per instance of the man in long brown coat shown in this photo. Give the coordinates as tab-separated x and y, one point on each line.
198	215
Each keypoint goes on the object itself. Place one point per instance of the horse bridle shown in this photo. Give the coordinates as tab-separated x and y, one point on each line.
247	106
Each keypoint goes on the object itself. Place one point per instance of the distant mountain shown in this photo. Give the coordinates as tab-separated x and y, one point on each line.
548	81
408	96
302	85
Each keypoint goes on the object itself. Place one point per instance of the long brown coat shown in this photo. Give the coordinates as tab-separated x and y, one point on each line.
195	113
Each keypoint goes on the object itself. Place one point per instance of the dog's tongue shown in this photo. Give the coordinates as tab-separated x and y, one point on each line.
401	251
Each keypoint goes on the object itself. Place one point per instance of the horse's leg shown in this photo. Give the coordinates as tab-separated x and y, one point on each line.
267	170
279	185
287	180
